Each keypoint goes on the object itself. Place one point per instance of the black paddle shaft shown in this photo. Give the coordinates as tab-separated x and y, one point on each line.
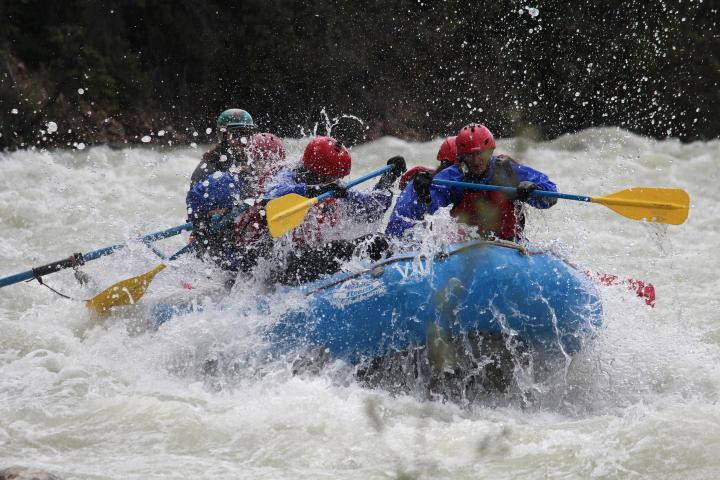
74	260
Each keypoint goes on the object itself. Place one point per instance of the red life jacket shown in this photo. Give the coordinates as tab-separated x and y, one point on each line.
250	224
320	216
490	212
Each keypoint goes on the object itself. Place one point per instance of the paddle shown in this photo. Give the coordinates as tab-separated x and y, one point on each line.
129	291
658	205
287	212
78	259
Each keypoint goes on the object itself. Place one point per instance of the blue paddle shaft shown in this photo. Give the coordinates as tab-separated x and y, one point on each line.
79	259
511	190
18	277
82	258
357	181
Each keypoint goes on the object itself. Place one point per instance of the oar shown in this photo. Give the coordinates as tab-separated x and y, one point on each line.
287	212
78	259
129	291
658	205
125	292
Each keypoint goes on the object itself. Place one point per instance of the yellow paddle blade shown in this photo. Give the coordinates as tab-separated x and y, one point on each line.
126	292
287	212
659	205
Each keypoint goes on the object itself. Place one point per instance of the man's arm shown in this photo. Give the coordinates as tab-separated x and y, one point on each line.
283	183
541	181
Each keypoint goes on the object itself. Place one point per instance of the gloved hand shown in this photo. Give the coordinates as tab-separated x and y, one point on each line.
316	190
524	190
421	185
398	163
388	178
341	190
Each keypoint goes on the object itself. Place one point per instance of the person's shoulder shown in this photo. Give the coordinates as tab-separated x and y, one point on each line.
453	172
211	154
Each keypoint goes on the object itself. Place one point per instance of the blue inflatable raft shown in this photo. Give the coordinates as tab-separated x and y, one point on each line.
474	287
482	287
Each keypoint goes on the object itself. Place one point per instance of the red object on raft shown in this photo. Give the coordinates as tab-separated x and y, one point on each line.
642	289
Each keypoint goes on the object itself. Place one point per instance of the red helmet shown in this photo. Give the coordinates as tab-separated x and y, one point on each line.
474	138
266	146
327	157
448	151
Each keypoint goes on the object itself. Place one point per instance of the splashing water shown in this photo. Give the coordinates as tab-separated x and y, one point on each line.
113	398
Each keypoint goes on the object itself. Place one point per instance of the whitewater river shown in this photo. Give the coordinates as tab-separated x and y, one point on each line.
108	398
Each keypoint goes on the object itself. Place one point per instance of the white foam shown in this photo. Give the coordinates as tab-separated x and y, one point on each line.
76	389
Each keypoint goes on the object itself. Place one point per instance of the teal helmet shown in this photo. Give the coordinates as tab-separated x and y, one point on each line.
233	119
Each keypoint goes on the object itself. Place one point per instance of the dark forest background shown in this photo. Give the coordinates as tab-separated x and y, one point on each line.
407	68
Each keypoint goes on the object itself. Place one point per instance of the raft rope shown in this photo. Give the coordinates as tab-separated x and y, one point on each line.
41	282
75	261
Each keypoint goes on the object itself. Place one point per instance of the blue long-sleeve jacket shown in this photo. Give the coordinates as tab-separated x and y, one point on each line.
370	206
409	209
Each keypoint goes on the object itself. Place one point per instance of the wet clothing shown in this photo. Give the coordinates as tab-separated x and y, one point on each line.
308	264
220	190
215	196
241	241
216	245
313	256
492	212
229	246
410	174
370	205
222	158
365	206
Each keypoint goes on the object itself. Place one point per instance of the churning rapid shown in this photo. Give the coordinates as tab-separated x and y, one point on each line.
111	398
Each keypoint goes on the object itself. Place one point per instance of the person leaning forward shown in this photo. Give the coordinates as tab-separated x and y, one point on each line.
496	215
325	161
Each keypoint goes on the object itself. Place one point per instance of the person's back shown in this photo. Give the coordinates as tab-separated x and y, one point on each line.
214	197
